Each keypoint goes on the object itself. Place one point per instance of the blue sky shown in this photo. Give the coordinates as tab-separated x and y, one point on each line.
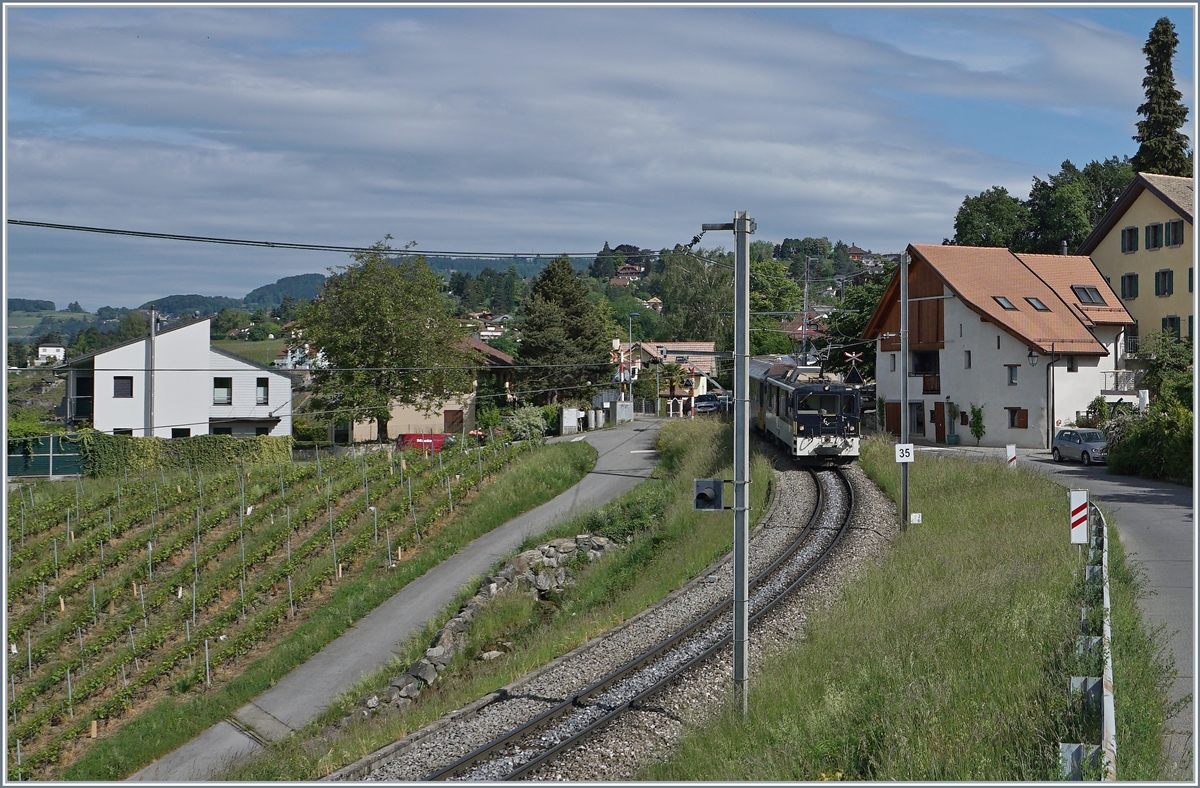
550	129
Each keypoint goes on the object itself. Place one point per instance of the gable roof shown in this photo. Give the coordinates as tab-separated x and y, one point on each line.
977	274
1062	272
491	356
1178	193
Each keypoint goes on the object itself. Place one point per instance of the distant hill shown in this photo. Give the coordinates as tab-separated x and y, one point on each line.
182	304
30	305
305	286
526	266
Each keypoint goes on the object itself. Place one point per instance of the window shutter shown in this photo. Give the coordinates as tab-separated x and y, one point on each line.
1022	419
1133	282
1166	324
1170	281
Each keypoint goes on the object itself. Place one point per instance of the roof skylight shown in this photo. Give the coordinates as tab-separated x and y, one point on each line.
1004	302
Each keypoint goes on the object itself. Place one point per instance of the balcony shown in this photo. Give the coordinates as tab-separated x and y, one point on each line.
81	409
930	384
1121	381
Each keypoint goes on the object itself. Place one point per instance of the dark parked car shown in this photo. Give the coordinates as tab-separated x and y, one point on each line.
707	403
1087	446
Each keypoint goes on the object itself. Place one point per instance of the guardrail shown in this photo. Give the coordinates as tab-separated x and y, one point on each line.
1076	758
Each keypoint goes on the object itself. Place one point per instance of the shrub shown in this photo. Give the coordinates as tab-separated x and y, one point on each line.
109	455
977	428
526	422
1155	445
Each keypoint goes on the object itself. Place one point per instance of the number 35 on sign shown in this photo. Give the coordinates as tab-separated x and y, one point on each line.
904	452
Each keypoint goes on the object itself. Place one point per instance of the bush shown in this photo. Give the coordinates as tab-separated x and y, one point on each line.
526	422
110	455
1154	445
977	428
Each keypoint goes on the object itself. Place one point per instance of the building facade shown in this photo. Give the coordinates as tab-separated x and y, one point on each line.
1032	340
176	385
1143	247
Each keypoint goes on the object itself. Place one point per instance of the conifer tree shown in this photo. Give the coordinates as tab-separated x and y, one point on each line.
1164	149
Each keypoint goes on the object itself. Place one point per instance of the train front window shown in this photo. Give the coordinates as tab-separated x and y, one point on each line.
848	406
822	404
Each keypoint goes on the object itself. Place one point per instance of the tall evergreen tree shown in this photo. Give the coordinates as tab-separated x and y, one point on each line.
563	341
1164	149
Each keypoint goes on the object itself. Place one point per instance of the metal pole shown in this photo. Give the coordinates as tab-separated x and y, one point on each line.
742	227
904	387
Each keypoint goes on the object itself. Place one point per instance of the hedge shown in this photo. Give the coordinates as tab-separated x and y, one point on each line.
110	455
1156	444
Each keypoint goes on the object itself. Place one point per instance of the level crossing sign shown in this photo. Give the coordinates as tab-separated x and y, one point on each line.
1079	516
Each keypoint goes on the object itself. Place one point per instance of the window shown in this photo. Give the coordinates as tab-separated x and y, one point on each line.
997	342
892	361
925	362
1004	302
1175	232
123	387
1190	326
262	430
1071	365
1164	282
960	330
222	430
1037	304
122	431
222	391
181	432
1190	277
1129	284
260	391
1170	325
966	359
1129	239
1012	373
916	417
1018	418
1154	236
1088	294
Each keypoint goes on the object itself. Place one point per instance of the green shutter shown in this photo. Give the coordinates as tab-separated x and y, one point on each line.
1170	281
1134	284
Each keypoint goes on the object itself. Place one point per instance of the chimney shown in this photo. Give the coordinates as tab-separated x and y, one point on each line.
1064	247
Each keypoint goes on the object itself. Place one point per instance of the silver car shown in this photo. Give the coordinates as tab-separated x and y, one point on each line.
1087	446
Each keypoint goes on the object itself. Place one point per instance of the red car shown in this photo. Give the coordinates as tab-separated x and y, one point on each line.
425	441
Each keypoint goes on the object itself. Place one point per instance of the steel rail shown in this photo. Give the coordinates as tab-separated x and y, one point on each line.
579	699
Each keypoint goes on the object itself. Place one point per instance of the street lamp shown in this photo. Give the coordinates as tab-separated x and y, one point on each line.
629	371
1032	357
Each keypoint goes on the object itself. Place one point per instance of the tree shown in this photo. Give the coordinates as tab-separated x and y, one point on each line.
697	294
1103	183
74	307
387	336
1058	209
771	290
994	218
227	320
1163	149
564	345
846	324
605	266
761	250
288	307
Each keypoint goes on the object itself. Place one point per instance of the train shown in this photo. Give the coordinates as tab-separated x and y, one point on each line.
814	416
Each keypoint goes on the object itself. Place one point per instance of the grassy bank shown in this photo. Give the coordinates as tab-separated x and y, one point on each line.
670	544
950	660
528	482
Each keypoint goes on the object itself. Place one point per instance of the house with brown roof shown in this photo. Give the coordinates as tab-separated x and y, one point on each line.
1032	339
855	252
456	415
1143	247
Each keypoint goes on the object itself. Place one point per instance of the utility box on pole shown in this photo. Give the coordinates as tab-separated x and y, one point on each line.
710	495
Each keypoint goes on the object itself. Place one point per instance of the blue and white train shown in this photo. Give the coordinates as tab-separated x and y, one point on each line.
814	416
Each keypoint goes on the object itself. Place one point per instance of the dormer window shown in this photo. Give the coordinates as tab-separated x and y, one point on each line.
1004	302
1088	295
1037	304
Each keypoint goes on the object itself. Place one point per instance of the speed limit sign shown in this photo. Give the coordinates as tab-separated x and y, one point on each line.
904	452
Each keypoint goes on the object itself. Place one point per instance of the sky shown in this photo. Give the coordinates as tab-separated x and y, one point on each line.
532	129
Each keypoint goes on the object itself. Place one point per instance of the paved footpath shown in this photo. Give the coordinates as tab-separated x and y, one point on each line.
626	457
1156	523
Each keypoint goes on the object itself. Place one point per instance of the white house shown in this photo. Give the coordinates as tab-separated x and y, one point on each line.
50	353
176	385
1032	339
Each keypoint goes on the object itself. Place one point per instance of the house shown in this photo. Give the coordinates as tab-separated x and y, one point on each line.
175	385
696	358
1140	245
619	281
456	415
1032	339
50	353
654	302
855	253
630	272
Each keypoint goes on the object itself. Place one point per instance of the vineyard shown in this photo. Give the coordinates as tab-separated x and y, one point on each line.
118	589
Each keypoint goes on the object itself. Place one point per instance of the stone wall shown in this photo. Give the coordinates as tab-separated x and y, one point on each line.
540	570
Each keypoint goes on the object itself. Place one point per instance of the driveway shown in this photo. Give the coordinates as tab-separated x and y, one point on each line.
1156	524
626	457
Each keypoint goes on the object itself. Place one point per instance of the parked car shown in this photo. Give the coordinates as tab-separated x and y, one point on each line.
707	403
1087	446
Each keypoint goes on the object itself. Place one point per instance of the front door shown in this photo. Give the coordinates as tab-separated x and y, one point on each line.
939	422
891	417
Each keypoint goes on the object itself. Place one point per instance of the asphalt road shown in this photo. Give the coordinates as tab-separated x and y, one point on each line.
626	457
1156	524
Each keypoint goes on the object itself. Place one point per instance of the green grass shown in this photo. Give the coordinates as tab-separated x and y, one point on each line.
948	661
262	352
671	543
530	481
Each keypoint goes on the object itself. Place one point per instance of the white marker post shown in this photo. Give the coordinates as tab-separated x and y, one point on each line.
1079	517
1010	453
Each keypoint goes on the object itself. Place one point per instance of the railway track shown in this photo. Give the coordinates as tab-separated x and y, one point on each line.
528	747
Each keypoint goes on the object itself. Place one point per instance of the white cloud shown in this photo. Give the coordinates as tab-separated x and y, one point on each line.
520	129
